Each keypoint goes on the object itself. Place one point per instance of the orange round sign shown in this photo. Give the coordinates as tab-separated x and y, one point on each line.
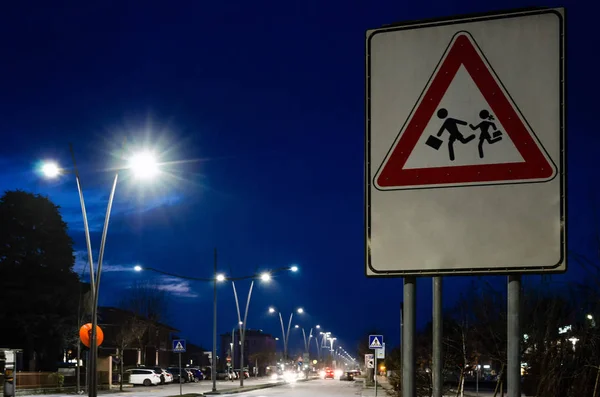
85	334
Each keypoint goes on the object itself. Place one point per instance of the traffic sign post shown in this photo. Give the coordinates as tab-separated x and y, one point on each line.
376	342
179	347
465	156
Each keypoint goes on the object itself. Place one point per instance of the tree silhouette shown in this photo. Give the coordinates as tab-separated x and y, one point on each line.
38	287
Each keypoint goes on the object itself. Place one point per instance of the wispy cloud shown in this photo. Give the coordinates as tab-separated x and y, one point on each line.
175	286
82	266
172	285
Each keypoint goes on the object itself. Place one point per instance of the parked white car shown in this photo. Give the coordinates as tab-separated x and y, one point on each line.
141	376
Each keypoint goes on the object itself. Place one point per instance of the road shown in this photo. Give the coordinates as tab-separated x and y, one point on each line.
317	387
322	388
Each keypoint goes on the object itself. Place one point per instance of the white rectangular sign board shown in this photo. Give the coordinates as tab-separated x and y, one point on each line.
369	361
465	145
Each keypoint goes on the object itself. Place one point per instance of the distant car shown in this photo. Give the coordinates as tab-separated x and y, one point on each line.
329	374
143	376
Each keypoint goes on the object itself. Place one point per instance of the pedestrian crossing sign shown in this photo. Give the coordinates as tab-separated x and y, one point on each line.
179	345
375	341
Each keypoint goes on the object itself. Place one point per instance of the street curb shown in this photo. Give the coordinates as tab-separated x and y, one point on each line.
241	390
249	388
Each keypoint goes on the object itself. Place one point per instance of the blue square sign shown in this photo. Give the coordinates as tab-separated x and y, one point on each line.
375	341
179	345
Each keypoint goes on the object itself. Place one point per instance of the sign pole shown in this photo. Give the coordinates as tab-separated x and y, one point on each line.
375	374
408	337
180	376
513	364
437	337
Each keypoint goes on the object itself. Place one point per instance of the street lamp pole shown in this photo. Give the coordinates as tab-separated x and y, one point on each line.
283	336
52	170
88	244
287	335
214	346
93	391
242	326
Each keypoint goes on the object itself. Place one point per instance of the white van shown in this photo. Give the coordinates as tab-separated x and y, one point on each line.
146	377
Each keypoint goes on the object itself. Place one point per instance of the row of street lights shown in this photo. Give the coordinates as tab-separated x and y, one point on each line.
264	277
144	165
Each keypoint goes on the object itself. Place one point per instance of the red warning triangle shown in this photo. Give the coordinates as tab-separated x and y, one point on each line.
492	144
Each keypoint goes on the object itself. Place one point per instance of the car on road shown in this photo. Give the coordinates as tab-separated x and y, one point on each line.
143	376
329	374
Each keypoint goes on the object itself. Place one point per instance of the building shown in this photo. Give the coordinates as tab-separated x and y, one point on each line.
144	342
259	348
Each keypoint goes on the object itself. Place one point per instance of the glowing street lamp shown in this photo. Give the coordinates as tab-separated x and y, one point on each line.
285	335
220	277
294	268
143	165
138	268
50	170
266	277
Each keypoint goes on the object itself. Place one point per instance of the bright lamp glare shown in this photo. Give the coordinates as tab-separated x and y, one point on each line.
294	268
144	165
300	310
318	326
50	170
296	326
271	310
220	277
137	268
265	277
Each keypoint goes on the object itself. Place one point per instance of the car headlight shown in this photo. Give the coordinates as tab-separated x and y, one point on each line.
274	377
338	373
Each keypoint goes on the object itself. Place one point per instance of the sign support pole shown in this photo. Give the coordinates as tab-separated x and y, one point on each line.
513	367
375	372
408	337
180	376
437	337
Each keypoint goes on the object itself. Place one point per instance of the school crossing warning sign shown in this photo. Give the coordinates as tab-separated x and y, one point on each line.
464	130
465	145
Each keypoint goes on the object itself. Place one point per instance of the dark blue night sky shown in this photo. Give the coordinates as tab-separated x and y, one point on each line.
258	109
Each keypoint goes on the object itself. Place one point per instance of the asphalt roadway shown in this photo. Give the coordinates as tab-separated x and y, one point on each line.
311	388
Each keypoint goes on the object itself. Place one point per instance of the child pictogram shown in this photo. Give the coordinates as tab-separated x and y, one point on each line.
451	126
485	135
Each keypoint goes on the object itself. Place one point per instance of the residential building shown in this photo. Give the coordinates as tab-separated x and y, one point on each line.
258	346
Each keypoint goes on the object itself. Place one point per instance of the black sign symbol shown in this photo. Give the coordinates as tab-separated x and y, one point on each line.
485	126
451	126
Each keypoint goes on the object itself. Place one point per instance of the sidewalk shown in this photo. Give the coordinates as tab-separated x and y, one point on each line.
384	388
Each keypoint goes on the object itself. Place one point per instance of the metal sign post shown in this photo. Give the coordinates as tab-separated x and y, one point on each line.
179	347
376	343
437	370
9	356
180	377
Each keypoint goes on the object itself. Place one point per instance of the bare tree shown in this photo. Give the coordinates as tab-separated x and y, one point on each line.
147	303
